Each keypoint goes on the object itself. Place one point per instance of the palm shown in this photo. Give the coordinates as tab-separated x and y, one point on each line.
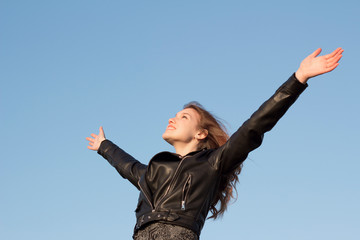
95	141
314	65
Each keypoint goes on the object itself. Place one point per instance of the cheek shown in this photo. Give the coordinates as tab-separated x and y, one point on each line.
191	130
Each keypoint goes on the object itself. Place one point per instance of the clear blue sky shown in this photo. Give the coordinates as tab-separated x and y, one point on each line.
67	67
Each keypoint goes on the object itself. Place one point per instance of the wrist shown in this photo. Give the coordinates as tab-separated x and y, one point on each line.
301	77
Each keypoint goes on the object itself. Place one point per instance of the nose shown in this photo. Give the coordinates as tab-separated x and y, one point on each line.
171	120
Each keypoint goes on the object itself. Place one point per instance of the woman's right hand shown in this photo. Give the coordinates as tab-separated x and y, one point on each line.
96	140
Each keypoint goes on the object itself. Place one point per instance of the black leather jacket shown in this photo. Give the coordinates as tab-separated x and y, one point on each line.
180	189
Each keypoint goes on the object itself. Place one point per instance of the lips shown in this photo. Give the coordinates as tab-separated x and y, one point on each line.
170	127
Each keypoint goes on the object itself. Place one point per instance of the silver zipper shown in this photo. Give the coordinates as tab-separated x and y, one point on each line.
147	198
172	180
185	194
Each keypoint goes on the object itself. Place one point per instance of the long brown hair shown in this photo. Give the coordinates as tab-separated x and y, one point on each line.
217	136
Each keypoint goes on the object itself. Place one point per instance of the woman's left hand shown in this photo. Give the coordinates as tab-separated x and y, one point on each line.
313	65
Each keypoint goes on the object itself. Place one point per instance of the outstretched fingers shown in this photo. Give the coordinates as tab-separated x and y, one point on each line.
95	140
91	143
334	59
314	65
91	147
336	52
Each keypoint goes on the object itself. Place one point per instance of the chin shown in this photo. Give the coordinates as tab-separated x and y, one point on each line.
164	136
167	138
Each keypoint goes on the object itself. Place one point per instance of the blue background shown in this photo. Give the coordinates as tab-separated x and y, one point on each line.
68	67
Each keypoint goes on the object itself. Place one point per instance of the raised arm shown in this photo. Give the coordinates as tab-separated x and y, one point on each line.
127	166
250	135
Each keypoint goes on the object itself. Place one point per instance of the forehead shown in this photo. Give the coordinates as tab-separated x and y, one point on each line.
190	111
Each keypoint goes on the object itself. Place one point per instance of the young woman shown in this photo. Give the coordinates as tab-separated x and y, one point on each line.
177	190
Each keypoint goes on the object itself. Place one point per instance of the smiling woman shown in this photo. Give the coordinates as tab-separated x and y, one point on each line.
184	132
177	190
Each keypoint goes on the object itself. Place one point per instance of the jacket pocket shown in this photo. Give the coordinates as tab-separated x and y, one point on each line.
185	192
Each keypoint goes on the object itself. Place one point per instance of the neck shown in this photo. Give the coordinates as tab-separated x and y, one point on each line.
183	149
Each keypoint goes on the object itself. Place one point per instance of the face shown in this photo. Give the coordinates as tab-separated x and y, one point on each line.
183	128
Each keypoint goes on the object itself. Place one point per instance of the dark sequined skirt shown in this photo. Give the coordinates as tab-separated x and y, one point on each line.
164	231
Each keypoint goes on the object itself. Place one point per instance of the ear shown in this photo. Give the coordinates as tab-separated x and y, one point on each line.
202	134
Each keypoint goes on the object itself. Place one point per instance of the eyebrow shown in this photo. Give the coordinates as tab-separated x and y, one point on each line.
185	113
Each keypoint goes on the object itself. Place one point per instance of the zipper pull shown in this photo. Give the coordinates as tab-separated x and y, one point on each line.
183	205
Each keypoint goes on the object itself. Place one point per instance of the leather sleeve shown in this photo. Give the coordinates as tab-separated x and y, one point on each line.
250	135
127	166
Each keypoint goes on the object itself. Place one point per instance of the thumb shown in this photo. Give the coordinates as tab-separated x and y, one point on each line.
101	131
316	53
